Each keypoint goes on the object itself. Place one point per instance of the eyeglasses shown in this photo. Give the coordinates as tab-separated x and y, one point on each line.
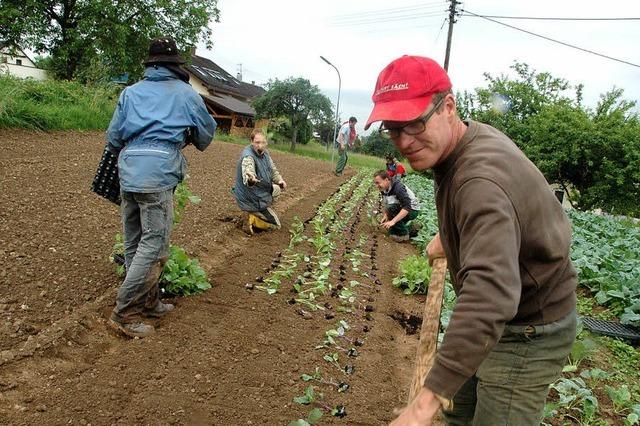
412	128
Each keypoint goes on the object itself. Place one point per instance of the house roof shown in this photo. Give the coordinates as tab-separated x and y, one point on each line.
219	80
13	49
231	104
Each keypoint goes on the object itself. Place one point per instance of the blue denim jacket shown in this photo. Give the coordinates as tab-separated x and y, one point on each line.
148	129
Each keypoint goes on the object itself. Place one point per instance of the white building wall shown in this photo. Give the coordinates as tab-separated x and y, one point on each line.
24	72
20	66
197	85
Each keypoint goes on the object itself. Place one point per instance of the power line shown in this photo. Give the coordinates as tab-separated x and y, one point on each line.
398	30
553	19
385	20
551	39
389	19
444	21
386	12
386	16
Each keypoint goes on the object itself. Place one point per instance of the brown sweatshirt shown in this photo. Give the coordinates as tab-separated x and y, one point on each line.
507	240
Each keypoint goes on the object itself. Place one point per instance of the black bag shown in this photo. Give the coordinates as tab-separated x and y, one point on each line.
106	182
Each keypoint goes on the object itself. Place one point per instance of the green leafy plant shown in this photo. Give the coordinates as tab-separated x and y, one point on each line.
582	349
594	376
313	417
309	396
422	187
118	251
317	377
574	397
181	197
296	231
415	273
333	359
624	404
604	251
183	276
339	331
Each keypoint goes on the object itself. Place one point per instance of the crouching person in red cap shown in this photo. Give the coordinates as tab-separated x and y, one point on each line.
394	167
506	240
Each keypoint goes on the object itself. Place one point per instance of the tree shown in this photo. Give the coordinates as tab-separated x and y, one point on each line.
595	154
323	124
295	98
281	131
98	39
377	145
508	103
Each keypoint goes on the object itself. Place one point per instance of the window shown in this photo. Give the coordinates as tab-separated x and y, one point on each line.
3	59
18	61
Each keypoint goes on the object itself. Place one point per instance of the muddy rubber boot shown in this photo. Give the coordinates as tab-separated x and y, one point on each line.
400	238
414	228
159	311
247	225
133	329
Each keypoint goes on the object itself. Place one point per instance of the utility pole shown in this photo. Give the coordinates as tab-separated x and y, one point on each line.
452	16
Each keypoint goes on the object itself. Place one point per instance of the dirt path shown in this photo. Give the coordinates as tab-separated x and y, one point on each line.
230	356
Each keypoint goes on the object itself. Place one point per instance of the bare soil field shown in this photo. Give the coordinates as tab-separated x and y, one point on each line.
229	356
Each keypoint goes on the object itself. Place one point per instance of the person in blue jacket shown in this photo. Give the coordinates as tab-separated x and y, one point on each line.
154	119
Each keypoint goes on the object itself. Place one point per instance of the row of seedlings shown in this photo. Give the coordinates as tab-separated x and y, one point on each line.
340	342
285	263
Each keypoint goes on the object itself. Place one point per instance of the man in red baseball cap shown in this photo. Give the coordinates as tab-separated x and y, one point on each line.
506	240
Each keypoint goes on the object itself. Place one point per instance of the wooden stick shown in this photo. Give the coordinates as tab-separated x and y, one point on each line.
426	353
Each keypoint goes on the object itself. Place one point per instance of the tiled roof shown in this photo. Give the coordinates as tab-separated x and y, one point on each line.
231	104
221	81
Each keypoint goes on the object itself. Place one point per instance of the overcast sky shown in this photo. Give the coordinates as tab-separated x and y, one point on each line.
285	38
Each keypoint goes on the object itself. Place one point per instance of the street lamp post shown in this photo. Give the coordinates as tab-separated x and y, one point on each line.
333	141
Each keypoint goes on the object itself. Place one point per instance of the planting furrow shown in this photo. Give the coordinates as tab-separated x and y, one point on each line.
330	270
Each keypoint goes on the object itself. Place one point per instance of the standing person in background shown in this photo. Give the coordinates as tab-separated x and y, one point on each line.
346	138
394	168
258	182
148	130
506	239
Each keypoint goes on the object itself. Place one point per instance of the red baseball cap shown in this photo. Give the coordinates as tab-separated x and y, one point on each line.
405	87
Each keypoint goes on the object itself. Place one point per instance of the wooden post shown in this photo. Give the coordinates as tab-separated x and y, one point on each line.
426	353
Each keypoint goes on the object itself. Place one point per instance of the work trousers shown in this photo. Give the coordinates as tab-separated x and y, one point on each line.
342	160
264	220
147	220
512	383
402	227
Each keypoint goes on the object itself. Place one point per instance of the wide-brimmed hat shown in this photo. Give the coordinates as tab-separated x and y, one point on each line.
405	87
163	50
